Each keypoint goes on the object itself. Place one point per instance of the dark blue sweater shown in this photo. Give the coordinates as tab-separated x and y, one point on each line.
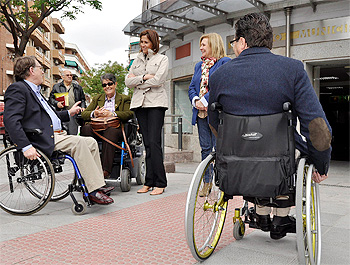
258	82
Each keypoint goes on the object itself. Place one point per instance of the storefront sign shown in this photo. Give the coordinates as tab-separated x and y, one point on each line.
310	32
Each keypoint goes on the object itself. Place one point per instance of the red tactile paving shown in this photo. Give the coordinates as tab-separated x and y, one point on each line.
148	233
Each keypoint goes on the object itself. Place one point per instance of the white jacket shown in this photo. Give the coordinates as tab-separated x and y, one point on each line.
149	93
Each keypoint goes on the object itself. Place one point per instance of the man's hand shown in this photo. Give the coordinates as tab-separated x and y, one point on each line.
60	105
31	153
317	177
199	105
75	109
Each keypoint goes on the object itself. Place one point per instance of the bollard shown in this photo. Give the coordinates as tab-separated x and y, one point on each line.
179	128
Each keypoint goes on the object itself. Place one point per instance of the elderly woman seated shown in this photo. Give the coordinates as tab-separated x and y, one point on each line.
108	104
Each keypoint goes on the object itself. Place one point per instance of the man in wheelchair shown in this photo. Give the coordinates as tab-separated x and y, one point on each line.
27	110
258	83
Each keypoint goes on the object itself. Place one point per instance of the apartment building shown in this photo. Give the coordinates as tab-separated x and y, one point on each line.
47	45
75	60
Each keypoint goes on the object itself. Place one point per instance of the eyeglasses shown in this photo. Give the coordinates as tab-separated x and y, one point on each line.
233	41
69	75
108	84
40	67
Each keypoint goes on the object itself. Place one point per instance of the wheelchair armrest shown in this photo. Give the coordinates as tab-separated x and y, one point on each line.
216	106
33	131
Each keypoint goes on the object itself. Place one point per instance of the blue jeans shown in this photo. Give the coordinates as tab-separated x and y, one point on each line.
207	142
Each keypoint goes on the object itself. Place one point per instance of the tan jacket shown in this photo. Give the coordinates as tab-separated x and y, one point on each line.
149	93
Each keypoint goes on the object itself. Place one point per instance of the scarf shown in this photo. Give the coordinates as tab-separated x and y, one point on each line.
206	65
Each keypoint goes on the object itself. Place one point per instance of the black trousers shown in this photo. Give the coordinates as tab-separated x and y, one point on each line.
108	150
151	121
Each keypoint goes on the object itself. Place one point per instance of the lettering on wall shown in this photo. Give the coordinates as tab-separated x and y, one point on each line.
310	32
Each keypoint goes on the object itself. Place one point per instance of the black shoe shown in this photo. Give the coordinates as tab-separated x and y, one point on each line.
281	226
263	222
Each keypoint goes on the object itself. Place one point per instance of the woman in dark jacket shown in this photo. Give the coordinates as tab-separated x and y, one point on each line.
213	56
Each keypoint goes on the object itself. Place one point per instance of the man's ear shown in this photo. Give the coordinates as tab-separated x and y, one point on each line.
243	44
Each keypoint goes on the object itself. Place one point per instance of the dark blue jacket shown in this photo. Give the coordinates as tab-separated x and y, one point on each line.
194	88
258	82
24	111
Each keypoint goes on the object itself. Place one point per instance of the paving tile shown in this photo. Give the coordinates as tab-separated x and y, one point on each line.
148	233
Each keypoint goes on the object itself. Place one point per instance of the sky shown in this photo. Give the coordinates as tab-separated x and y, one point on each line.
99	34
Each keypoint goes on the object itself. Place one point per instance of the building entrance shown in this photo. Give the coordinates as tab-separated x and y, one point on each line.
333	83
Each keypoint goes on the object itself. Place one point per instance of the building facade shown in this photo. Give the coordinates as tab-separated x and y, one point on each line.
47	45
316	32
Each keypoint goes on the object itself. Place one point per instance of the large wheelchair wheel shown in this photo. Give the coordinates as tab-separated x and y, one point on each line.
205	215
308	223
64	175
26	186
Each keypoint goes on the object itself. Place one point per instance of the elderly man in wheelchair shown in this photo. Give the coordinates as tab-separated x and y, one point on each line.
255	101
35	130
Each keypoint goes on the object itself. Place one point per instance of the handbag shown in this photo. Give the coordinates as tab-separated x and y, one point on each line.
103	123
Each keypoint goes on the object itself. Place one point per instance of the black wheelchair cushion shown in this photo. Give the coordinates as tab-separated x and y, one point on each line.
254	156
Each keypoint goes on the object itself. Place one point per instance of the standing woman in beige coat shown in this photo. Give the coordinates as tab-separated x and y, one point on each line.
149	102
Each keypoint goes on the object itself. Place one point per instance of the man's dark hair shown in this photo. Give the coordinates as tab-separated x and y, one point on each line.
256	29
153	36
109	76
22	65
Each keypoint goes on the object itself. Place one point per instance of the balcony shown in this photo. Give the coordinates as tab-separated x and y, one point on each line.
46	82
56	71
32	51
57	56
44	24
37	36
57	40
46	62
46	44
10	46
56	23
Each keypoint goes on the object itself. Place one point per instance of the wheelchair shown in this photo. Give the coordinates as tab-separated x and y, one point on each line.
128	165
231	173
26	186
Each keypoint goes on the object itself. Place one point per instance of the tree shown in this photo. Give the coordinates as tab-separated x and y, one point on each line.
91	81
15	16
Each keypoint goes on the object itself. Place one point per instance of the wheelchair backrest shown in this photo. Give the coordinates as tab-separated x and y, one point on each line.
249	136
255	154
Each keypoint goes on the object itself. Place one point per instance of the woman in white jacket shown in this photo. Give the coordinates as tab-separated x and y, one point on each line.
149	102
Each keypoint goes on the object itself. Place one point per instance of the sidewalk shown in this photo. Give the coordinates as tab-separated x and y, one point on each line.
144	229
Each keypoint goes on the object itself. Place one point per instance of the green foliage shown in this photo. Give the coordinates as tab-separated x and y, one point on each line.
91	81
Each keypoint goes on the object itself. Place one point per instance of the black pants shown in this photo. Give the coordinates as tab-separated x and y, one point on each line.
151	121
108	150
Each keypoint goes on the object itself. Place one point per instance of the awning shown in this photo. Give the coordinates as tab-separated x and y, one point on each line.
173	19
70	63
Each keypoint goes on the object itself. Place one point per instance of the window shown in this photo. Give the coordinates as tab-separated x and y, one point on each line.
182	105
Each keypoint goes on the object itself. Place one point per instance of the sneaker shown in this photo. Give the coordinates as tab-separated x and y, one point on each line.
263	222
205	190
281	226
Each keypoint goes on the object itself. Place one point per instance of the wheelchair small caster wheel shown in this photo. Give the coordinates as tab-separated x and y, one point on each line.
238	231
79	209
125	181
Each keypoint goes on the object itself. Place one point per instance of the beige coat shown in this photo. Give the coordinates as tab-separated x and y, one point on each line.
149	93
